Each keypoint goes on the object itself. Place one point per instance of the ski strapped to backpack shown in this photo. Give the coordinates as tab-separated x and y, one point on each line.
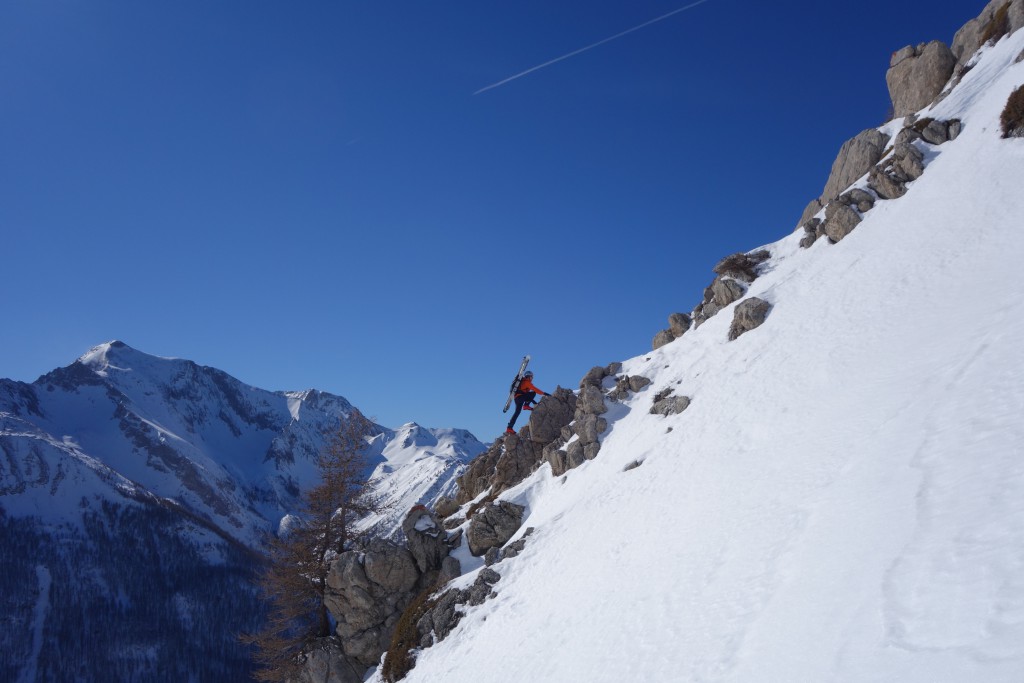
515	383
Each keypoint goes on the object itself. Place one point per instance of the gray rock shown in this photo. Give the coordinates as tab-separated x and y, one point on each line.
594	377
889	178
814	207
426	538
324	662
749	315
446	507
856	157
917	75
442	618
613	369
366	593
662	338
936	132
812	231
863	201
727	290
451	568
493	526
840	220
591	450
969	38
590	427
672	405
679	324
574	456
638	382
492	556
551	414
591	401
511	459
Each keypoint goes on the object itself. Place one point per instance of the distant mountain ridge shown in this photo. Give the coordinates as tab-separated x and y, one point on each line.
122	448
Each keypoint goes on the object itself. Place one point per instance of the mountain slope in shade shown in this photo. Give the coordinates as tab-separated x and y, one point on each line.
134	492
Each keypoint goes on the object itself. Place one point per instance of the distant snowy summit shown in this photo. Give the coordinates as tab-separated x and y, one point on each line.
119	424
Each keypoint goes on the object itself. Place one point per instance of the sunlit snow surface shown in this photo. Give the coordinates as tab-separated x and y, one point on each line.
844	498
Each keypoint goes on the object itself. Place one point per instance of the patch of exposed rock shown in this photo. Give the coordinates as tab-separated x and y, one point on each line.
493	526
369	587
678	325
666	404
514	457
750	314
993	22
735	272
917	74
325	663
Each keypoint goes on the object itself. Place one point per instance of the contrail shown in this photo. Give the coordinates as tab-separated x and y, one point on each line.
590	47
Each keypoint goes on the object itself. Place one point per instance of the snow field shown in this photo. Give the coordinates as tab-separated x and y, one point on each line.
844	498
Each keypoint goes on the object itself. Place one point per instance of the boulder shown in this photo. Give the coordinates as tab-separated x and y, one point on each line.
590	401
662	338
671	405
446	507
889	179
590	427
727	290
551	414
493	526
594	377
367	591
324	662
856	157
917	75
749	315
862	200
970	37
451	568
812	231
426	538
840	220
679	324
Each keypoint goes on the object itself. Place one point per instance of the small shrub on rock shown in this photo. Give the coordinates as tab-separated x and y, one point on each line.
998	26
400	657
1012	118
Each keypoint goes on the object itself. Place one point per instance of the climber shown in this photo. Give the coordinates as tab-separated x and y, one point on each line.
525	393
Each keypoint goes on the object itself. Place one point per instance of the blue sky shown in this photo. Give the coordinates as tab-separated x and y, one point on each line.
310	195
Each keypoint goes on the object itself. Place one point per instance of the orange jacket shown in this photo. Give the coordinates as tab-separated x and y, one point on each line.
526	385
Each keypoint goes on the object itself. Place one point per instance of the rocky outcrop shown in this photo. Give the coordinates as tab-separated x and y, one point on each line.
427	539
325	663
917	74
444	614
678	325
1000	17
840	220
493	526
889	179
735	272
749	315
514	457
855	158
666	404
369	587
367	591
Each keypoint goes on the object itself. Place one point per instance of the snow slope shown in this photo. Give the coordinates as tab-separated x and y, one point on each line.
844	498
